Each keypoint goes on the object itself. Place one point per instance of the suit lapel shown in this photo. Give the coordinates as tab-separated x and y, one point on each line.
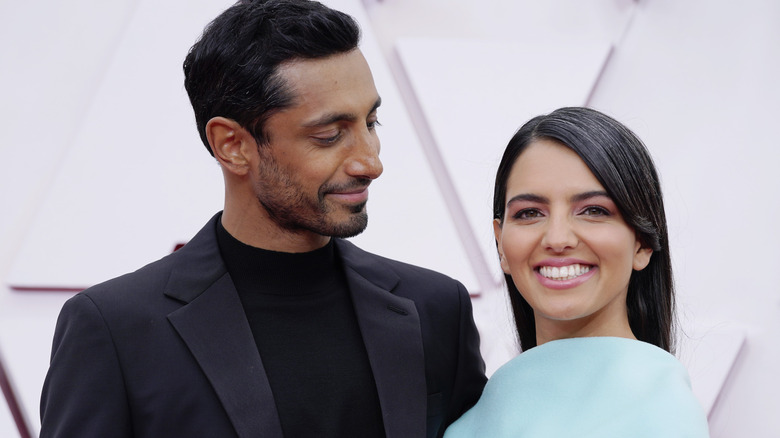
390	326
213	326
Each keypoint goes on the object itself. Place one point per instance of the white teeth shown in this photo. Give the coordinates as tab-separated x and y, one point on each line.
564	272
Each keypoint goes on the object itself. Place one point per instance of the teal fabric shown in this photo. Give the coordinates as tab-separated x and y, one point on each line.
587	387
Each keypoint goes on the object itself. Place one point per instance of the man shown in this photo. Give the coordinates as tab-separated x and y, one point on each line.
267	323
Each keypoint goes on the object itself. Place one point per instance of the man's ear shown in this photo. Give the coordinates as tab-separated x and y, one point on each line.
232	145
498	235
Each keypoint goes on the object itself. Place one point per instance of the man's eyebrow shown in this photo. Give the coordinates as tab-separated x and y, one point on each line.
376	104
329	118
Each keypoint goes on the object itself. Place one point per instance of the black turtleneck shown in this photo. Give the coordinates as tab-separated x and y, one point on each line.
301	315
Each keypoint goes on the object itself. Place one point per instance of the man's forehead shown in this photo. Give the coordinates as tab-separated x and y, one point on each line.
340	83
300	69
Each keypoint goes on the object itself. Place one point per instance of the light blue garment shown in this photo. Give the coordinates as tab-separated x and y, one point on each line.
587	387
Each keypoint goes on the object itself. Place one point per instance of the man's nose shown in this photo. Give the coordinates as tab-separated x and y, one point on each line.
364	160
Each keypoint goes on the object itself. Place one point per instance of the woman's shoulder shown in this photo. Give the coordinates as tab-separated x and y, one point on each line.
608	385
591	355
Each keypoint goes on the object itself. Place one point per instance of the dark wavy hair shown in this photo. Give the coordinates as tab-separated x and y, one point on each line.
622	164
231	71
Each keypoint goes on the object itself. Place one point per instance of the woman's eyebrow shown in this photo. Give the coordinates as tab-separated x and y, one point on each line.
530	197
579	197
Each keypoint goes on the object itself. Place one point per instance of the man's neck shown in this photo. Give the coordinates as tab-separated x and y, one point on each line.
266	234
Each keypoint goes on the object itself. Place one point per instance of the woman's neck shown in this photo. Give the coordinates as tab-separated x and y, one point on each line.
590	326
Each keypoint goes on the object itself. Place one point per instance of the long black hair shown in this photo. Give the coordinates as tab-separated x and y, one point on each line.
622	164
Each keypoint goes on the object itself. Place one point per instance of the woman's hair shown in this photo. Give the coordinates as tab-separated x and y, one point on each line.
622	164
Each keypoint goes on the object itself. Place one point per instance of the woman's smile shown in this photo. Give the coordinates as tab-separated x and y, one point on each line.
564	272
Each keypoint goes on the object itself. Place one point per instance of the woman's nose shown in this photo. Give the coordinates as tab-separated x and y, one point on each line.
559	235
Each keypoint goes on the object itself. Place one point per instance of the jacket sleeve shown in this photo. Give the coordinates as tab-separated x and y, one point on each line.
470	376
84	393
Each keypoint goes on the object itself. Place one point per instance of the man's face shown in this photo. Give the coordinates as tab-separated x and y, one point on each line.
323	150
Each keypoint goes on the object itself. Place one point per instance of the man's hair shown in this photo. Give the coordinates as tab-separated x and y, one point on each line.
622	164
232	70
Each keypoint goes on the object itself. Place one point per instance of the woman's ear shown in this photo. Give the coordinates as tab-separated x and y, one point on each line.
642	256
498	234
232	144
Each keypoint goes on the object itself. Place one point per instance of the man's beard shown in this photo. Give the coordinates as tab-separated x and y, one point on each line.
287	204
292	210
289	217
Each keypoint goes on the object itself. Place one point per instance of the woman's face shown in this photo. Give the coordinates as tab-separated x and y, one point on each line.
566	246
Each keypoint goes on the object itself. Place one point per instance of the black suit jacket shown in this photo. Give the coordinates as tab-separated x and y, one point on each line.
166	351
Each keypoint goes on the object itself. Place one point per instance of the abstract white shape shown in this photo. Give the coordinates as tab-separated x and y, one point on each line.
709	355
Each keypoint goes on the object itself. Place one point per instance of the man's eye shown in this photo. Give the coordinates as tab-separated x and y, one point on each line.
329	140
373	124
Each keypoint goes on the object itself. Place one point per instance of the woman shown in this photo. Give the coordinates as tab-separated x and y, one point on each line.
581	235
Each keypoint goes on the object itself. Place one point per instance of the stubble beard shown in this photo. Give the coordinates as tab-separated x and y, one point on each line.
288	206
313	217
356	224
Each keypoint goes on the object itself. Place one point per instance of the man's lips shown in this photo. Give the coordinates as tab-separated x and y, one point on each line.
351	196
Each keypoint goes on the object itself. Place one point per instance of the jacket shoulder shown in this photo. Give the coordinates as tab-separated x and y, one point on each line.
409	275
149	278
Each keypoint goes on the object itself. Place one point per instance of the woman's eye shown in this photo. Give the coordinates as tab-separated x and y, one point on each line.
373	124
595	210
528	213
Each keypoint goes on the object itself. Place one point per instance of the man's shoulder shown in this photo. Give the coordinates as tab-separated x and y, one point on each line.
147	280
152	278
405	271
